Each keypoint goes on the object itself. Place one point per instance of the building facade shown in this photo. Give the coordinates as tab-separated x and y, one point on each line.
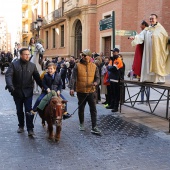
69	26
26	22
5	36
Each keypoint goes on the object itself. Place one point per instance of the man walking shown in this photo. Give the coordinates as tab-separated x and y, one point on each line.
19	81
85	77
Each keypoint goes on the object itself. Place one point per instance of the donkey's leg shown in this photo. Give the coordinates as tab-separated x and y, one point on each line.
50	129
58	129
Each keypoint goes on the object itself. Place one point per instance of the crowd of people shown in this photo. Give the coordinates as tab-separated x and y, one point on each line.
90	75
84	75
5	60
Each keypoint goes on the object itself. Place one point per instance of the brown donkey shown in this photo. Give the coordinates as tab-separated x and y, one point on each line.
52	114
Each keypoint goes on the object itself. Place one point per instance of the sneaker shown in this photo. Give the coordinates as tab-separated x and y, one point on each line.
106	105
96	131
31	133
66	115
81	127
109	107
20	130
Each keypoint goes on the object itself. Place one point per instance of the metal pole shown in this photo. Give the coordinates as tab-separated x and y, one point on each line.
113	28
38	31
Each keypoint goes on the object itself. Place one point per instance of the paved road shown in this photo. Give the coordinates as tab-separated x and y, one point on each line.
124	145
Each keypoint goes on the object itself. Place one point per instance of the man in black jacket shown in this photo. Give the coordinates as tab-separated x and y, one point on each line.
19	81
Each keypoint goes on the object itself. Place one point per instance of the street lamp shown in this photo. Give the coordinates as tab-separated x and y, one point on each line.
38	24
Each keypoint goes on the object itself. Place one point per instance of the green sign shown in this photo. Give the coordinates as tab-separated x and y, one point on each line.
125	32
105	24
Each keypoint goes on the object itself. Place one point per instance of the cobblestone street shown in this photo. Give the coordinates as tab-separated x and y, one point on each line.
124	144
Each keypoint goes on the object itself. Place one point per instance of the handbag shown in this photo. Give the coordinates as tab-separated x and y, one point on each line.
106	80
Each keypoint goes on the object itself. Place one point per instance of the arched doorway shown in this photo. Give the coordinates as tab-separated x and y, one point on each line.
78	39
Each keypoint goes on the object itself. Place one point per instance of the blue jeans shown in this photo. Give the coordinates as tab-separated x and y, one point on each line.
27	103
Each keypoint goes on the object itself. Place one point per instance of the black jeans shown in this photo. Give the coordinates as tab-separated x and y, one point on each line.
82	99
63	80
27	103
108	98
115	94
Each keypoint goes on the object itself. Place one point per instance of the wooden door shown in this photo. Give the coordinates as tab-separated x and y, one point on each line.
107	47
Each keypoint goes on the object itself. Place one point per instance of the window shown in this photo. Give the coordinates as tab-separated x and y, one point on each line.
53	37
62	35
46	38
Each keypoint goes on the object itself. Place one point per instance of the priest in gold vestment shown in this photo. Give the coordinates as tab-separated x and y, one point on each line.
156	59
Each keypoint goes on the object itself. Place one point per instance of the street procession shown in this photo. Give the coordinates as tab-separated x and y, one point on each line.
85	84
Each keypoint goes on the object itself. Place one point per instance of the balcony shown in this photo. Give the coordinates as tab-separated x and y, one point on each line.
71	7
24	3
53	17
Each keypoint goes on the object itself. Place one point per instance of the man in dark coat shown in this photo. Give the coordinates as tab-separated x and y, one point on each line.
19	81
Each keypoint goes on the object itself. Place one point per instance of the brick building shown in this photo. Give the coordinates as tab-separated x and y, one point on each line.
72	25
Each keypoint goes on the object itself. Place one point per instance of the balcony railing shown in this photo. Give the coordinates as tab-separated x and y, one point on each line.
53	16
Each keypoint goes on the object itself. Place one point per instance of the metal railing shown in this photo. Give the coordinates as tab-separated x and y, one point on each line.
53	16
